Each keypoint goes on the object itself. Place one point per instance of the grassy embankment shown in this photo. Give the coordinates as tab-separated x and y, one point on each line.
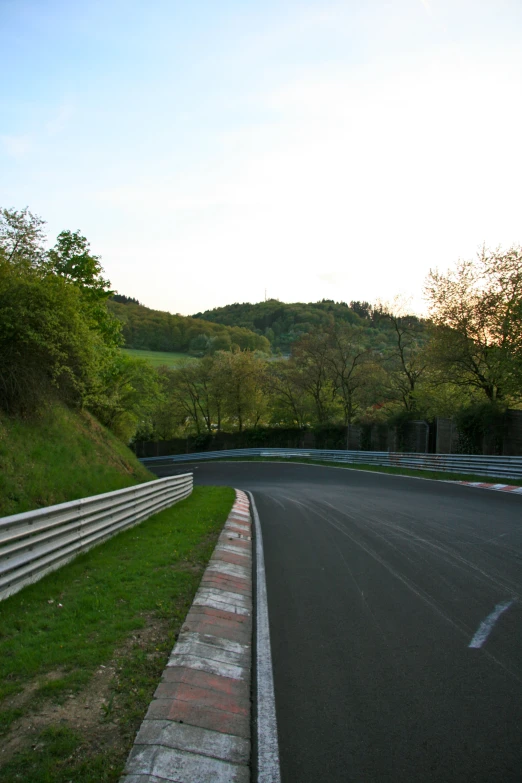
82	650
61	456
159	358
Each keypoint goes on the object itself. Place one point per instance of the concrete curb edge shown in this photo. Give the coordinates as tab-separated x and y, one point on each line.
197	728
497	487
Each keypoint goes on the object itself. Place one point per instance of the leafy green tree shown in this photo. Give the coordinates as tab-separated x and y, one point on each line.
185	393
405	358
199	345
477	311
311	355
289	402
165	420
46	346
348	359
72	260
56	335
125	394
22	237
243	379
221	342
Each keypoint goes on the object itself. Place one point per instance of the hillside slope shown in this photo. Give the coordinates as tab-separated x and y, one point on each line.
282	323
156	330
61	455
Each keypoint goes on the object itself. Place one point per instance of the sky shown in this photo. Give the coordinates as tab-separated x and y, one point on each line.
219	152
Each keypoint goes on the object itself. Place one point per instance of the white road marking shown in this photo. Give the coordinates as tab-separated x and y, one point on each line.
267	744
486	626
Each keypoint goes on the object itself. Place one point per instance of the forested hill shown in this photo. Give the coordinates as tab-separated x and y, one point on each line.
283	323
156	330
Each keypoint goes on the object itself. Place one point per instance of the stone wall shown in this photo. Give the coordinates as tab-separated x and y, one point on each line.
439	436
512	442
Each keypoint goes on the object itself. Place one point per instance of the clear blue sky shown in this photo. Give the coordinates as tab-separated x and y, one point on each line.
212	150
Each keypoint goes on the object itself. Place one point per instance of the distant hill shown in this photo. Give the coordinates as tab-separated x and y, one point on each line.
283	323
157	330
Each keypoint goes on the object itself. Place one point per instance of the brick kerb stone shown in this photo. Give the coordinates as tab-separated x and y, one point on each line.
197	727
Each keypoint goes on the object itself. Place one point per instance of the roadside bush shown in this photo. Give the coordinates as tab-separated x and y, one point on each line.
46	346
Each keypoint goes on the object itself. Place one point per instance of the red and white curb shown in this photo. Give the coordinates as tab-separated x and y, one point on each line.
498	487
197	728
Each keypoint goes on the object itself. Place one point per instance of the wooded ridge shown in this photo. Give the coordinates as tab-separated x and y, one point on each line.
61	335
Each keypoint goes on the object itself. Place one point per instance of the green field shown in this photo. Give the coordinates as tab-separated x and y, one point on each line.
159	358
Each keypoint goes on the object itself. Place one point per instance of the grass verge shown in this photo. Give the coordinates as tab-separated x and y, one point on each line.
437	475
82	651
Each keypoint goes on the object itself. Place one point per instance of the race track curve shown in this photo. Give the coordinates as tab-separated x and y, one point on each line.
377	586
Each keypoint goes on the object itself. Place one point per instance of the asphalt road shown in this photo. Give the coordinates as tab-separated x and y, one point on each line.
376	587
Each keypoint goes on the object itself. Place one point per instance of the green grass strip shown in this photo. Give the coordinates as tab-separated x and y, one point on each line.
76	619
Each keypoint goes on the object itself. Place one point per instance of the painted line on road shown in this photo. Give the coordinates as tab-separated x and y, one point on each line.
267	743
487	625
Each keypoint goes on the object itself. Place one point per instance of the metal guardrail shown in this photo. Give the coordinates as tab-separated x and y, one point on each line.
501	467
36	542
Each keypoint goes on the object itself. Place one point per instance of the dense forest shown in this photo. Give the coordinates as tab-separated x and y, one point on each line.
156	330
61	335
282	324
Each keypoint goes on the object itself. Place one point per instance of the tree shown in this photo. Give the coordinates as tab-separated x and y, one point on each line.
46	346
243	376
405	359
56	336
311	356
346	357
363	309
71	259
288	397
22	237
184	391
476	309
125	394
199	345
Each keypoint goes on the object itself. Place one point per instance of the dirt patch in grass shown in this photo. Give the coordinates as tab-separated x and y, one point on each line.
92	712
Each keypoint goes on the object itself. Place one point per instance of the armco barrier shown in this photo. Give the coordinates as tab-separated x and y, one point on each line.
36	542
501	467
